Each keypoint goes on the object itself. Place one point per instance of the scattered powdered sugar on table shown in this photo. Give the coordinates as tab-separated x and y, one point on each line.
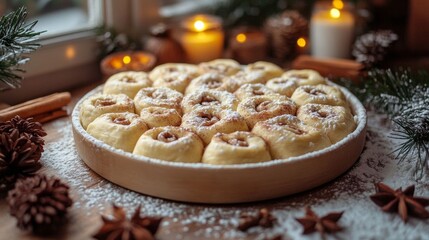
350	192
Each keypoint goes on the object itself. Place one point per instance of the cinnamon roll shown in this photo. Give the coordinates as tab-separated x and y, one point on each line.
226	67
236	148
287	136
158	97
173	144
304	77
175	76
336	121
95	106
209	81
207	121
119	130
252	90
266	70
283	86
260	108
128	83
321	94
160	117
218	99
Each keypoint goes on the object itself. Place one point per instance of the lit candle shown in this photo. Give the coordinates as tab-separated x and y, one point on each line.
332	31
248	45
202	39
127	61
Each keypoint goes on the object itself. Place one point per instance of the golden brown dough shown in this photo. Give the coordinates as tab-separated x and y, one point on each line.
336	121
119	130
236	148
128	83
207	121
175	76
213	98
283	86
321	94
209	81
226	67
252	90
97	105
266	69
287	136
173	144
304	77
261	108
158	97
160	117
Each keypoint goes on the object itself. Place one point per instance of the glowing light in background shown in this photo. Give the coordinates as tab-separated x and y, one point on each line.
335	13
126	59
199	25
338	4
301	42
241	38
70	52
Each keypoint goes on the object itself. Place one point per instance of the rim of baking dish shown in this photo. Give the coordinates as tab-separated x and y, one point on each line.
357	108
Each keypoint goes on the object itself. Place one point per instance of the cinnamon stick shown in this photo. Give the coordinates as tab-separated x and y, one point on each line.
46	117
330	67
36	106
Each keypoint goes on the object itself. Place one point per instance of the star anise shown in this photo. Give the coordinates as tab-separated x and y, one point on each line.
326	224
402	202
121	228
263	219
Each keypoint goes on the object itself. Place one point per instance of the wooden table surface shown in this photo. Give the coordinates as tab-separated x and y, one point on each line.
93	196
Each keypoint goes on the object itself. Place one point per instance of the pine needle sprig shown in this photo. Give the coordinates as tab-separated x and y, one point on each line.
404	96
17	38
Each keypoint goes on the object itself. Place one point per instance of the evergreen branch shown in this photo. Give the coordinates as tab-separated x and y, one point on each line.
17	38
404	96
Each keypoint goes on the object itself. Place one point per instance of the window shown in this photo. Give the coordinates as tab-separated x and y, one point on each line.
58	17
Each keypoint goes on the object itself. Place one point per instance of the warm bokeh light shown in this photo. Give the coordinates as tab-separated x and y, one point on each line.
241	38
70	52
335	13
126	59
199	25
338	4
143	59
301	42
116	64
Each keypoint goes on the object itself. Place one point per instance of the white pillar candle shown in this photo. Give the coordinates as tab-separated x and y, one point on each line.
331	33
202	39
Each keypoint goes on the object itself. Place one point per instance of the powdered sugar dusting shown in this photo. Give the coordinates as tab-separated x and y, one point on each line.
362	219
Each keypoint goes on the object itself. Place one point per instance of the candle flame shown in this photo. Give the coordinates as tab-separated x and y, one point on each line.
301	42
241	38
335	13
126	59
338	4
199	25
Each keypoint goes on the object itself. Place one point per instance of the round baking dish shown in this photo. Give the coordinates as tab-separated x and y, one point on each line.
203	183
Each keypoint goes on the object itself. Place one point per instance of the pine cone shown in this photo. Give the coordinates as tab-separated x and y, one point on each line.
33	130
39	203
371	48
283	31
19	157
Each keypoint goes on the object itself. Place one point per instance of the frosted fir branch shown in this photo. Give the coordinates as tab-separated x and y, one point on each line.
17	38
